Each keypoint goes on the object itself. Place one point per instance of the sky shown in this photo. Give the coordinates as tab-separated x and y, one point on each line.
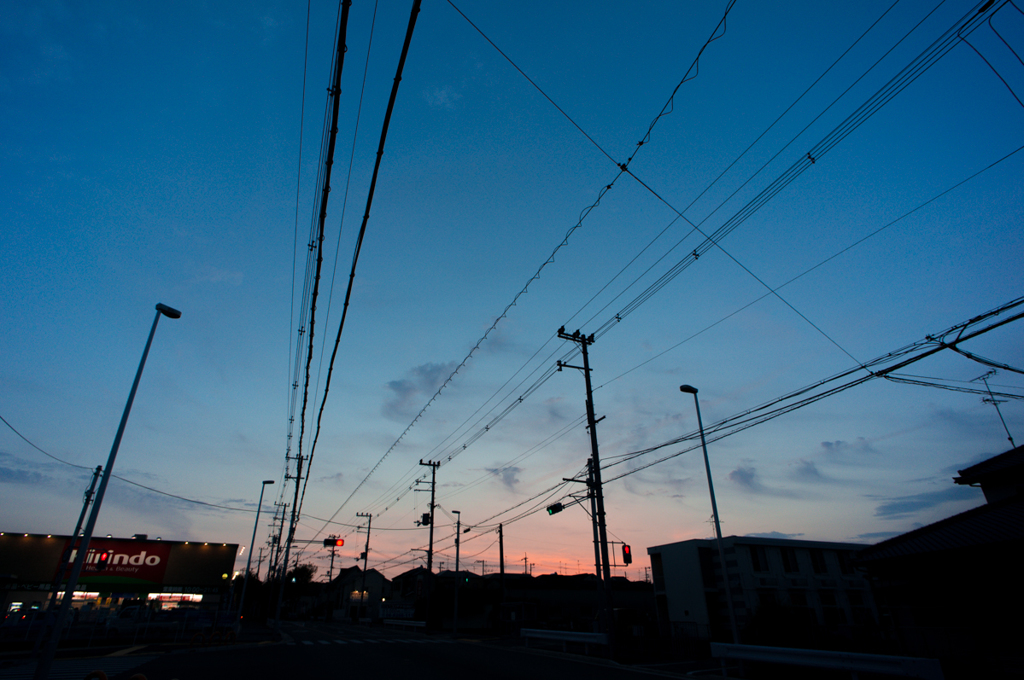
170	153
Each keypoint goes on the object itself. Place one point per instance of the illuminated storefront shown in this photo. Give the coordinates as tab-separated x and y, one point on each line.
162	574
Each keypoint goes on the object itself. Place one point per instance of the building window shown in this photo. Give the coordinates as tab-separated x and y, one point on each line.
759	558
846	562
789	563
657	571
818	561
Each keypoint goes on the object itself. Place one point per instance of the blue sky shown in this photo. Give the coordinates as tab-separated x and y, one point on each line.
152	154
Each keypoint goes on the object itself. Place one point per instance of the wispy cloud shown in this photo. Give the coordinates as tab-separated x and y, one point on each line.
904	506
843	449
807	471
746	476
212	274
12	476
661	484
509	476
336	478
773	534
420	381
877	535
442	98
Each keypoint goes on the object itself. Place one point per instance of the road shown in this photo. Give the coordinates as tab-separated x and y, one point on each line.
329	650
315	650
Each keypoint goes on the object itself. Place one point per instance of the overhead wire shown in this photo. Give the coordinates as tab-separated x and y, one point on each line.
762	198
666	109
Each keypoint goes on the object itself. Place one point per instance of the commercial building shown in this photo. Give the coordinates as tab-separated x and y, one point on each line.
164	574
785	588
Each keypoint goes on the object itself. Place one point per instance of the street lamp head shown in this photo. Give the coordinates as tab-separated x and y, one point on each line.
169	312
268	481
689	389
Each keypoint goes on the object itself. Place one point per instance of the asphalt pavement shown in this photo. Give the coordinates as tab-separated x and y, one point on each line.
318	649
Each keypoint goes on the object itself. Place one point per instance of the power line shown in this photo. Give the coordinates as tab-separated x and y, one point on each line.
666	109
126	481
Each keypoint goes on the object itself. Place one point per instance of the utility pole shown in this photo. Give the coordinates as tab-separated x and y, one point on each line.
330	572
458	534
366	554
501	558
66	558
585	341
593	517
433	465
291	532
280	510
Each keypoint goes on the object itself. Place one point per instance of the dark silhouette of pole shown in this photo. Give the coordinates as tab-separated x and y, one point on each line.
65	559
433	485
689	389
606	576
366	555
46	661
995	402
458	534
252	544
501	558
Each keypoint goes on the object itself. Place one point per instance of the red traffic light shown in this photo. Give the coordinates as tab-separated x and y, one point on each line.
627	554
103	560
334	542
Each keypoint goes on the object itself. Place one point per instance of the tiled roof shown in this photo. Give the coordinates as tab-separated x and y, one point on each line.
985	525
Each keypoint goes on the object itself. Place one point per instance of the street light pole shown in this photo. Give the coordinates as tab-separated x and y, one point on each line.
248	560
689	389
43	669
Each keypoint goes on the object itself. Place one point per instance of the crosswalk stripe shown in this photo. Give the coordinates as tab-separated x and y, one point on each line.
342	642
307	642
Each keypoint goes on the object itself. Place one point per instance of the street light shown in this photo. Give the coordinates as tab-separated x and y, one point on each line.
689	389
43	669
248	560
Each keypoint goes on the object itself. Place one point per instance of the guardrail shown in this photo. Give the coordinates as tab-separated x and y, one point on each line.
901	666
565	637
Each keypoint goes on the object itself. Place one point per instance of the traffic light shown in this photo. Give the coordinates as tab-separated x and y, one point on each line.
425	520
627	554
103	560
334	542
554	509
